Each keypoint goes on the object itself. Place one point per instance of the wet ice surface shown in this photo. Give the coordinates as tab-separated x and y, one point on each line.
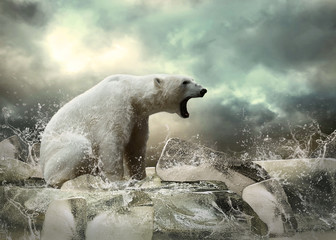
171	210
200	210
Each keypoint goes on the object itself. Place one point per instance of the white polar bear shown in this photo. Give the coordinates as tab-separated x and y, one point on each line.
107	126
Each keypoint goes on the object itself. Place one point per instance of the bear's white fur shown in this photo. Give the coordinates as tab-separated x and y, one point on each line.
107	126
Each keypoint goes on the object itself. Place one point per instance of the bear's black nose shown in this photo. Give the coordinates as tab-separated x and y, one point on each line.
203	92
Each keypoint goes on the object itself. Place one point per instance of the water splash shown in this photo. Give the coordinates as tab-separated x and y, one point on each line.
29	136
29	233
301	141
323	143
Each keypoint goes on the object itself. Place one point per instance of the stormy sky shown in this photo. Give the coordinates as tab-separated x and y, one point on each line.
266	64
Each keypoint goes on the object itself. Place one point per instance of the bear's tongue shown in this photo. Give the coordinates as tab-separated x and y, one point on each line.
183	108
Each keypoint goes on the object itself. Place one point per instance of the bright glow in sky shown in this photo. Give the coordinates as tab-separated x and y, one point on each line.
73	56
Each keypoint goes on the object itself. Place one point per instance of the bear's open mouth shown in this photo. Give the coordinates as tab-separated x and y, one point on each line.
183	107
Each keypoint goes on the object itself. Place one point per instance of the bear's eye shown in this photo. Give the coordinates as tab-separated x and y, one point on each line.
185	82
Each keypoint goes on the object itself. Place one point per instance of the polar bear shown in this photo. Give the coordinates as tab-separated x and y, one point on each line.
106	127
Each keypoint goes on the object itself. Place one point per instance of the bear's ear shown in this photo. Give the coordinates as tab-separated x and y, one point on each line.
157	82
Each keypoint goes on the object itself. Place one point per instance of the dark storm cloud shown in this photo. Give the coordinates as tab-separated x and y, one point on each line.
22	26
295	34
282	36
316	106
20	31
323	80
227	124
26	11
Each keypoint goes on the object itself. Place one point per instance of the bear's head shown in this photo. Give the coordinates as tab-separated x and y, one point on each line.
175	91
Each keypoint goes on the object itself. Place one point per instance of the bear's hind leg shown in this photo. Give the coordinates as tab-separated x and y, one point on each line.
111	159
68	157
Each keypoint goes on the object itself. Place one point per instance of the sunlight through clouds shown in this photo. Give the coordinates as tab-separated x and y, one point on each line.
77	44
73	55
